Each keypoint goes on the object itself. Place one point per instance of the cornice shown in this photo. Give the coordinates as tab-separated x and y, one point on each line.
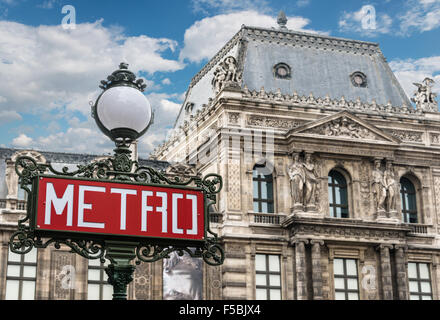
311	40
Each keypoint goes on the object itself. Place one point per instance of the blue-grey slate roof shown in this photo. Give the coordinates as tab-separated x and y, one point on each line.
320	64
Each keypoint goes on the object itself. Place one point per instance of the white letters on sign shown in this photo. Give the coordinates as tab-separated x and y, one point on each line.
145	209
123	193
82	206
74	198
59	204
193	198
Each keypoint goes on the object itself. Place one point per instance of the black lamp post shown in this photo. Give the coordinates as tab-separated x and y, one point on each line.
123	114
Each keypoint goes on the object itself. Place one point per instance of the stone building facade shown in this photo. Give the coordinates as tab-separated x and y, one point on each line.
332	177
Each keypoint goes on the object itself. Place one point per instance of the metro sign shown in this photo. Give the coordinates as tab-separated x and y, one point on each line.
117	209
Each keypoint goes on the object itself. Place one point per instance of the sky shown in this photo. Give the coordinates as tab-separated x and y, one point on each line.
54	53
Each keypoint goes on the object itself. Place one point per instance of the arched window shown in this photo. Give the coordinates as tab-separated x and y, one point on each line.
262	189
408	200
337	195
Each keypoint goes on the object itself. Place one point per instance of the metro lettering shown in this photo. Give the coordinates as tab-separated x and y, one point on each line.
119	209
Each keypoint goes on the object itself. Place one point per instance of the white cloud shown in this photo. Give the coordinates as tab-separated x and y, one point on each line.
169	106
22	141
9	2
166	81
48	4
9	116
165	113
421	15
207	36
302	3
227	6
411	71
366	21
46	67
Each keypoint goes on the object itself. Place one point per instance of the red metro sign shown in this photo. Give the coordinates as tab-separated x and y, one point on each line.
77	206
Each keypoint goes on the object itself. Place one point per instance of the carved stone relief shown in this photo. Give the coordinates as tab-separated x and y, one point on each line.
234	185
409	136
262	121
234	118
347	233
437	196
435	138
343	127
142	282
225	74
364	175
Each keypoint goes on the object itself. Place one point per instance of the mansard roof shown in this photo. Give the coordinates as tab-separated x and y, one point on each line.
319	64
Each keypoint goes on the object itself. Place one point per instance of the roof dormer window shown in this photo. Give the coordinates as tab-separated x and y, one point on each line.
358	79
282	71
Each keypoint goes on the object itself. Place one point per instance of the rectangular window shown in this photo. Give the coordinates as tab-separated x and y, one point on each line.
267	277
97	286
419	280
346	279
21	276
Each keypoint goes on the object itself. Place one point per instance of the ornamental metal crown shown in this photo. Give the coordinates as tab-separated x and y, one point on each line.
123	77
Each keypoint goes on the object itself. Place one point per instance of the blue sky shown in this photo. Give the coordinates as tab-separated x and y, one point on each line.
49	74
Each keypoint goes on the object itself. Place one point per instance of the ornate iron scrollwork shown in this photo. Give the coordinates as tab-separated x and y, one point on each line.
117	168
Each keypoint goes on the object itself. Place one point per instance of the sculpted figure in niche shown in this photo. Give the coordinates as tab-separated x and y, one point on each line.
311	180
379	187
389	183
297	180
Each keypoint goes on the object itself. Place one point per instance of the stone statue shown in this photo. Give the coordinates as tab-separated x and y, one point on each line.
231	69
390	182
11	180
219	79
424	98
226	72
379	188
311	180
297	181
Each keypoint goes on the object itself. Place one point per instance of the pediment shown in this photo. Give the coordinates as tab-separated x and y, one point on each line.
344	126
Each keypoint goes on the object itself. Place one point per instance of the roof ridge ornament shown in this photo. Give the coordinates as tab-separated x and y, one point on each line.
282	20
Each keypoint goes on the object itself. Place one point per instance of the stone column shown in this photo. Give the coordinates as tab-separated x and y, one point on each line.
385	266
316	269
402	280
301	270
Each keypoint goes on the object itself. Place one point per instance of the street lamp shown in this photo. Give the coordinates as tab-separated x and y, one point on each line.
121	111
123	114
